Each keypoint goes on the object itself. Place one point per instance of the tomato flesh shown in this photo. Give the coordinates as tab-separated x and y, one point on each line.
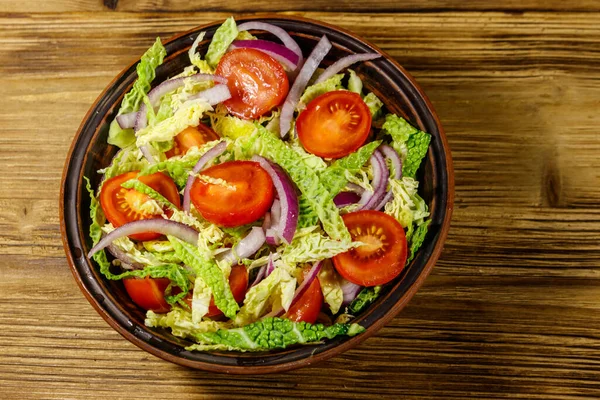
257	82
334	124
235	193
191	137
122	205
308	306
238	282
383	255
148	293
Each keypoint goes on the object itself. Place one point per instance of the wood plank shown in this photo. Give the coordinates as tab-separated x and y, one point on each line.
240	6
510	310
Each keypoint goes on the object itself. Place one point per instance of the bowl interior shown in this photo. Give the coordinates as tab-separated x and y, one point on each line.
90	152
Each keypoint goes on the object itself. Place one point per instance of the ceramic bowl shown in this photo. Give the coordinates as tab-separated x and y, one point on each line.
90	152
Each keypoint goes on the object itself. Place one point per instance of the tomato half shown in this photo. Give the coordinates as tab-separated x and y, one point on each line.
191	137
148	293
383	255
308	306
122	205
238	282
240	192
334	124
257	82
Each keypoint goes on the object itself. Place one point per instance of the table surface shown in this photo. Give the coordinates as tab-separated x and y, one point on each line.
511	309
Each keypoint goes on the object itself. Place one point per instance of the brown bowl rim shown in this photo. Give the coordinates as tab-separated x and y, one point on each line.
350	343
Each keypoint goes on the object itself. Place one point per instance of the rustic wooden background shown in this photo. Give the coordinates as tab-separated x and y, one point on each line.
512	309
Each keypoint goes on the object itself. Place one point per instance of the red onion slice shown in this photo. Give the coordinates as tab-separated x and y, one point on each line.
245	247
126	259
274	219
260	276
215	95
350	291
353	187
281	34
345	62
127	121
270	266
308	279
307	71
205	159
284	55
381	175
344	199
158	225
288	200
393	156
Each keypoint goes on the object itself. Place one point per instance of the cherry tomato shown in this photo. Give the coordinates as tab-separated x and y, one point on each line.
256	81
243	193
191	137
308	306
334	124
148	293
383	255
122	205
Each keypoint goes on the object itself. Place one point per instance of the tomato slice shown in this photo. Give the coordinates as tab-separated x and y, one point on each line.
240	192
334	124
238	282
191	137
148	293
122	205
257	82
308	306
383	255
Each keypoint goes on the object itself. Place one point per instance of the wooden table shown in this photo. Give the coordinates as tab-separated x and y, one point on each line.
512	307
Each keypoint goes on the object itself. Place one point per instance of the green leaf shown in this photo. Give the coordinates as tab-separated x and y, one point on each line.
314	91
417	240
206	268
270	333
307	216
148	191
331	286
126	160
406	205
374	104
181	324
416	145
334	178
355	83
146	71
312	246
221	41
365	298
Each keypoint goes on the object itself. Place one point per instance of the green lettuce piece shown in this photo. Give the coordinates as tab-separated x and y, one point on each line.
206	268
126	160
201	296
407	206
267	145
312	161
335	178
374	104
148	191
164	131
365	298
417	239
232	127
314	91
307	216
408	141
331	286
181	324
276	290
245	35
221	41
158	246
355	83
97	218
270	333
311	247
146	71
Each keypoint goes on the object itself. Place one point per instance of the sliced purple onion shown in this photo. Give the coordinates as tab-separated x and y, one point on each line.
281	53
158	225
281	34
126	259
205	159
270	266
245	247
350	291
344	199
345	62
166	87
260	276
287	223
307	71
381	175
394	158
353	187
267	222
127	121
308	279
145	149
271	231
215	95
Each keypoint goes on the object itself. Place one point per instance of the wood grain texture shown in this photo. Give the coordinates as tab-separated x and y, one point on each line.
510	311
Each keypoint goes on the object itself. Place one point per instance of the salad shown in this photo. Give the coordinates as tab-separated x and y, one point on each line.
257	201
